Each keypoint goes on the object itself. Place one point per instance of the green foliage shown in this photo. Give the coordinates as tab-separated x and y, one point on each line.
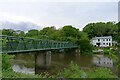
11	74
72	34
70	31
32	33
0	65
118	37
85	46
21	33
102	29
67	33
106	51
118	65
111	53
47	33
8	32
101	73
113	56
6	60
73	71
7	71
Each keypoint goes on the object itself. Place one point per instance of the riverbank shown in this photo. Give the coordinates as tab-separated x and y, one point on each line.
66	72
7	71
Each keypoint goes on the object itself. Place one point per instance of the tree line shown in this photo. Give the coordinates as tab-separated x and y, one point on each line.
71	34
103	29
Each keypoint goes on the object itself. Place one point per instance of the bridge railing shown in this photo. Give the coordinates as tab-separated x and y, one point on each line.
20	44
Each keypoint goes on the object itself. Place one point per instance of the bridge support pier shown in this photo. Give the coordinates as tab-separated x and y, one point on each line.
43	60
77	50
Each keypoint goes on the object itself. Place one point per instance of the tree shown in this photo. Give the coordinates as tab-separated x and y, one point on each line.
89	29
101	29
118	33
32	33
22	34
48	32
8	32
85	46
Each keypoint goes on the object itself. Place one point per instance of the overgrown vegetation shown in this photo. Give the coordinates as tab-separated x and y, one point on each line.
111	53
7	71
101	73
72	71
0	65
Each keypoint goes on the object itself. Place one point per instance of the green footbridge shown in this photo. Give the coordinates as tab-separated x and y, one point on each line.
12	44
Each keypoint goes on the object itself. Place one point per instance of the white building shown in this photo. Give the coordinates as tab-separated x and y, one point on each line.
104	41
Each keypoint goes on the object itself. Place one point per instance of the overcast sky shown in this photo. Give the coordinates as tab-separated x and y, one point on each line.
59	12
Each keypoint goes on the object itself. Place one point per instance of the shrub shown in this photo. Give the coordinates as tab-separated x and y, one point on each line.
113	57
6	62
101	73
73	71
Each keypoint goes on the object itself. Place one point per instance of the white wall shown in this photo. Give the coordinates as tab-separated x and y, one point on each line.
104	43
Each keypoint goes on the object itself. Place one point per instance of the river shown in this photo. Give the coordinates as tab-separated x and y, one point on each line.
25	62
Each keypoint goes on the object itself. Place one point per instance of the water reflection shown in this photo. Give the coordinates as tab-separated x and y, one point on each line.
57	61
100	60
23	69
24	63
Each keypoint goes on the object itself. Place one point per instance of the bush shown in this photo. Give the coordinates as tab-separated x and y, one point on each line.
101	73
106	51
118	65
114	57
73	71
6	62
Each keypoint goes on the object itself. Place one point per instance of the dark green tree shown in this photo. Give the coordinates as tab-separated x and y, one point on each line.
101	29
8	32
32	33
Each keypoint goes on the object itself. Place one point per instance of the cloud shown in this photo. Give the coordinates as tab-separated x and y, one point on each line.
59	14
24	26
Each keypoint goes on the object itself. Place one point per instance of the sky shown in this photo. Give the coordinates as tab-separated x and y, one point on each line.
58	13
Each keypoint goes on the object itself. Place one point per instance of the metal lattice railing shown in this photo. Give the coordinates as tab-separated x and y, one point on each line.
11	44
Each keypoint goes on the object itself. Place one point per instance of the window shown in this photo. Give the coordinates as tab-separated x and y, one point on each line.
109	44
98	39
109	39
106	43
98	44
103	39
103	43
106	39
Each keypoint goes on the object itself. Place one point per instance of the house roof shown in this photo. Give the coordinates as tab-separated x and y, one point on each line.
103	37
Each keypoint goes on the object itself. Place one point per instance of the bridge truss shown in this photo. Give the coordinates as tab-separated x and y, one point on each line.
11	44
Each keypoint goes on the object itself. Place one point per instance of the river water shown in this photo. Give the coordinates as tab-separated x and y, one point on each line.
25	62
